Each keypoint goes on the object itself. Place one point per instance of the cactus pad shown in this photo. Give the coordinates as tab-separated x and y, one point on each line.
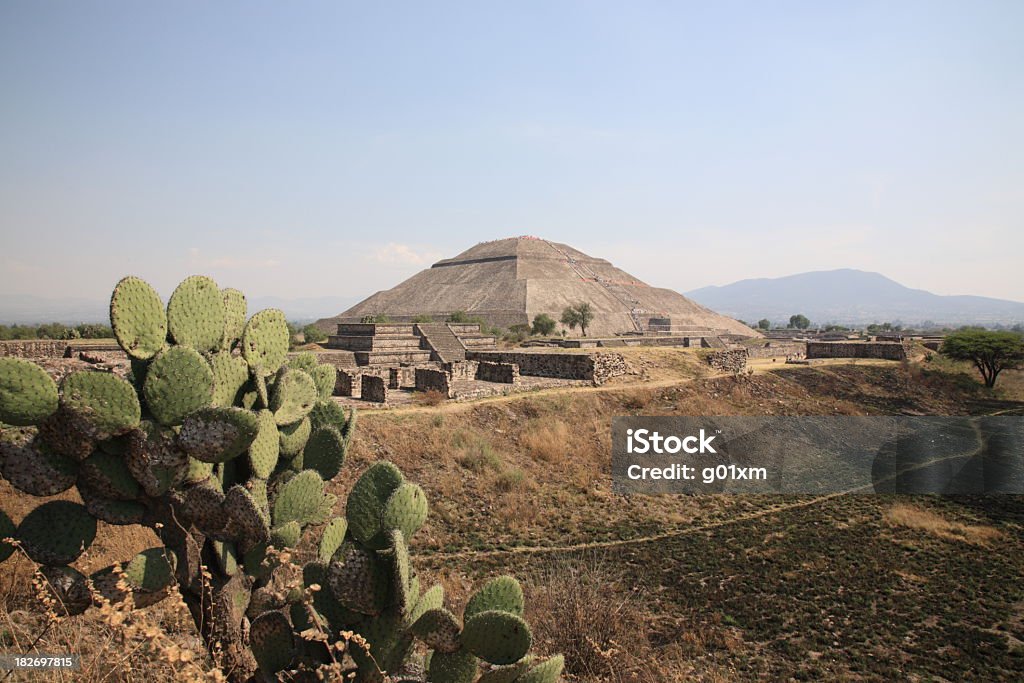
299	498
547	671
195	314
325	452
230	375
109	477
138	318
292	438
108	403
502	593
266	447
116	512
68	587
358	580
227	557
325	377
155	459
203	504
272	641
286	535
367	498
35	468
198	471
151	570
178	382
218	434
430	600
38	538
497	637
405	509
328	414
248	522
293	396
438	629
27	394
331	539
455	667
304	360
7	530
235	309
265	340
68	434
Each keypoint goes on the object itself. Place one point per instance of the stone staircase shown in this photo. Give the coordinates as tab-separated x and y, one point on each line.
442	341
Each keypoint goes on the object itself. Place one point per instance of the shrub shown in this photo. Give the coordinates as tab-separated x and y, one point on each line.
222	445
543	324
313	334
431	397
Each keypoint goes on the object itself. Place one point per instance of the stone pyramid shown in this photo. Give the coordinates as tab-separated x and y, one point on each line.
509	281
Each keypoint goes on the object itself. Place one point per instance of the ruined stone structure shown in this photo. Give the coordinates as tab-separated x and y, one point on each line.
734	360
778	349
508	282
434	380
877	350
374	389
596	368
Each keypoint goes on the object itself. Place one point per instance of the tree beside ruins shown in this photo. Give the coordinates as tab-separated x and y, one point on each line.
580	314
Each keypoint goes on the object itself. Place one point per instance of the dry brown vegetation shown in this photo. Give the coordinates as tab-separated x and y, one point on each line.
915	517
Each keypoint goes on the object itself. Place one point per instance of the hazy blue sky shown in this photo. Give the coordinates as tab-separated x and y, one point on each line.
302	149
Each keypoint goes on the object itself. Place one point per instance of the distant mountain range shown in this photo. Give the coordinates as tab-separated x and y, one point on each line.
849	296
30	310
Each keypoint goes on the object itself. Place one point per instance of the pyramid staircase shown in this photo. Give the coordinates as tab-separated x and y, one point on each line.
442	341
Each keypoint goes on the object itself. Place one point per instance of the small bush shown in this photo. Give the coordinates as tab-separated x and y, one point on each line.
431	397
547	439
510	480
480	457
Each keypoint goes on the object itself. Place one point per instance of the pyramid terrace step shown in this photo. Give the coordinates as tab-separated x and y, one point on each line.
372	343
372	329
393	357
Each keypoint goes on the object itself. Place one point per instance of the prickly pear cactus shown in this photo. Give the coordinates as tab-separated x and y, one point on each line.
224	446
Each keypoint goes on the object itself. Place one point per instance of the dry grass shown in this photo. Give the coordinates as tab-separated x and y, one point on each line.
914	517
546	439
430	397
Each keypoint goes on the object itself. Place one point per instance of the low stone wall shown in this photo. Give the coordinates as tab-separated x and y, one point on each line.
728	361
461	369
504	373
34	348
596	368
349	383
401	378
436	380
778	350
374	389
876	350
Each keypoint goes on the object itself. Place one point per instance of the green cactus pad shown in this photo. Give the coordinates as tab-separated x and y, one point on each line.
328	414
219	434
455	667
304	360
402	593
266	447
68	587
203	504
547	671
299	498
506	674
235	310
358	579
258	490
272	642
265	340
116	512
198	471
366	500
325	452
497	637
331	539
151	570
138	318
432	599
179	382
38	538
248	521
68	434
325	377
107	402
35	468
227	557
292	438
337	615
405	509
285	536
501	593
108	476
155	459
7	530
195	314
27	394
293	396
438	629
230	375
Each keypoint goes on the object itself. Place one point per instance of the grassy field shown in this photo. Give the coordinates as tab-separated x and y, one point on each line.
661	588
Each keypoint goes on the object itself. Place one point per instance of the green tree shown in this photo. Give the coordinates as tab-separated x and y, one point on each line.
764	324
579	314
313	334
991	352
799	321
95	331
543	324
